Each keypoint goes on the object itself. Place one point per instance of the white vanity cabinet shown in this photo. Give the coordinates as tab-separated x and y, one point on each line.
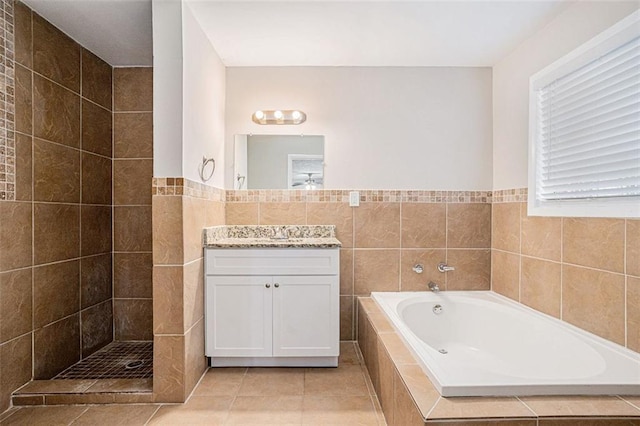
272	306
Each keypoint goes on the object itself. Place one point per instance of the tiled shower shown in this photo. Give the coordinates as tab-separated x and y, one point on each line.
75	244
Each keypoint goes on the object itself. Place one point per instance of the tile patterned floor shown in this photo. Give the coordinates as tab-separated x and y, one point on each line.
242	396
117	360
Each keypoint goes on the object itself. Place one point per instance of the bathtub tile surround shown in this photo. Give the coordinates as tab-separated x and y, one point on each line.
181	209
581	270
408	397
386	236
132	183
7	103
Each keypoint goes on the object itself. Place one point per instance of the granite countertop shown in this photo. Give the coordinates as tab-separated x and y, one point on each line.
262	236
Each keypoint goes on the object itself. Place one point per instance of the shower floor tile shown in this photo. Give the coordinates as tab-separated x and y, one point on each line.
118	360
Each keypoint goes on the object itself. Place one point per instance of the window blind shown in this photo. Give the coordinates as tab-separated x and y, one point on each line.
589	129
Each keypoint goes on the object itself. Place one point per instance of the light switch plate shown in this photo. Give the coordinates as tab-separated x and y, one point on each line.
354	199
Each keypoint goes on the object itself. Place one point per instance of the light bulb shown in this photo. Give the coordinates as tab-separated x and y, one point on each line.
259	115
296	115
278	115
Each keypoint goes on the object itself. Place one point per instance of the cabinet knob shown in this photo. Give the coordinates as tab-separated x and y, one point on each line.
276	285
267	285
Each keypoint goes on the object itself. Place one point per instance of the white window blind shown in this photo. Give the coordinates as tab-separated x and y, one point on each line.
585	128
589	129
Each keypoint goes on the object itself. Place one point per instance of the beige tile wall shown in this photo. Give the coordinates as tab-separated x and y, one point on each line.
383	240
55	238
132	174
178	283
585	271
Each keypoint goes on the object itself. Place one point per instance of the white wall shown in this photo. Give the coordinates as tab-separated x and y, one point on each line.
576	25
167	88
188	95
203	102
384	128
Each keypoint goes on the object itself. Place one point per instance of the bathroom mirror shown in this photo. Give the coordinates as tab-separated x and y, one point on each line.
279	162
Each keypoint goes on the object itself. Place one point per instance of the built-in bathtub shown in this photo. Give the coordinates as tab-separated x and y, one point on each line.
481	343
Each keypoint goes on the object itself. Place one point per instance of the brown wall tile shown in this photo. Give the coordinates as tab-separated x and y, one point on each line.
96	79
242	214
597	243
346	318
377	225
132	228
376	270
633	313
95	279
56	292
56	172
541	285
56	347
56	232
133	135
473	270
468	225
96	129
97	327
194	216
133	89
167	230
405	411
56	113
386	371
132	275
55	55
338	214
95	230
132	182
195	362
22	34
16	306
346	271
15	368
506	226
424	225
168	299
133	319
633	247
24	167
505	277
593	300
169	368
23	100
541	236
283	214
193	293
15	235
429	259
96	179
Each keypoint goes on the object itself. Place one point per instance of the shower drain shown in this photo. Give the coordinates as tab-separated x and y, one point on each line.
134	364
443	351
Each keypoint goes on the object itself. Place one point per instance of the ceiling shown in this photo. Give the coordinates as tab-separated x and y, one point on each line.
314	32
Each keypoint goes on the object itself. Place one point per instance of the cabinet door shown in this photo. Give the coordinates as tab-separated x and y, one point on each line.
239	312
306	315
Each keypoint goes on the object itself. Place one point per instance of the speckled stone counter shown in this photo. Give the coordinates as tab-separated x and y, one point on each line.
262	236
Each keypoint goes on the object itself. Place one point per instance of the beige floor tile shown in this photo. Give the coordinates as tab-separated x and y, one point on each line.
338	410
45	416
344	380
266	410
348	354
272	381
199	410
116	415
220	382
580	406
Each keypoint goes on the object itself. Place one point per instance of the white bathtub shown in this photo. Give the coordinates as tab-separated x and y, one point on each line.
495	346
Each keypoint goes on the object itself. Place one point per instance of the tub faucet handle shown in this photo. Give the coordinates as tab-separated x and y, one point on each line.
418	268
443	267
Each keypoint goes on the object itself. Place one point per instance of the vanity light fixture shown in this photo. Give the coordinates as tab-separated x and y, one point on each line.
280	116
